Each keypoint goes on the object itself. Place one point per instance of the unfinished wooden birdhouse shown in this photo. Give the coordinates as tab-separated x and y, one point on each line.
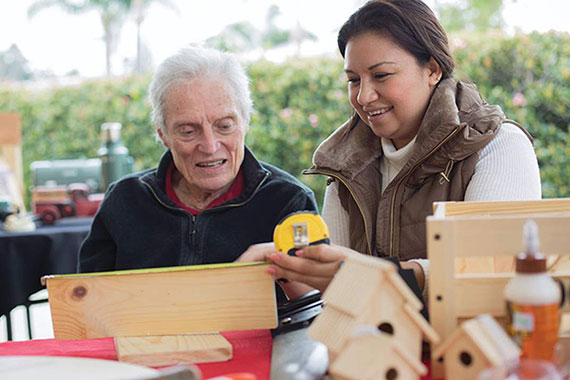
368	291
477	344
360	360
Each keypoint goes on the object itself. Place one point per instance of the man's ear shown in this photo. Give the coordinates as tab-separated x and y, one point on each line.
435	71
162	137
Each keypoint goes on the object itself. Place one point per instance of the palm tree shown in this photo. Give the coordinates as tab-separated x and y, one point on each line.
242	36
237	37
111	12
300	35
139	8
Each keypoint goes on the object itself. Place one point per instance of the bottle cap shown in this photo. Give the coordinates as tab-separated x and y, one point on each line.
531	263
111	132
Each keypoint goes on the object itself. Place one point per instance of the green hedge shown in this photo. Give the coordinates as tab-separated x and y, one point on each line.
299	103
529	76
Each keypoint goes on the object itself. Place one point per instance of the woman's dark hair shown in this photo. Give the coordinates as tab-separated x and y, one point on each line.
411	24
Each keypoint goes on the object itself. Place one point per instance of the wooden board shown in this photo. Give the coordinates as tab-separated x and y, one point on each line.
11	152
154	351
165	301
10	128
486	294
502	235
553	205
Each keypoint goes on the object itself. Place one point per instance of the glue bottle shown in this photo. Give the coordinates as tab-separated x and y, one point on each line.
533	300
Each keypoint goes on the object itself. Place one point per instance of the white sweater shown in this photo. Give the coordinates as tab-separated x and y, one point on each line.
507	169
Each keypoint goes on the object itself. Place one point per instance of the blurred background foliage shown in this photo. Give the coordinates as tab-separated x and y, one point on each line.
300	102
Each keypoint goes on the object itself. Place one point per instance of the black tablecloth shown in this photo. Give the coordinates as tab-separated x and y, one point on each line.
26	257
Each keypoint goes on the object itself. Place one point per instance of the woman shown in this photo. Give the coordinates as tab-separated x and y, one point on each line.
416	136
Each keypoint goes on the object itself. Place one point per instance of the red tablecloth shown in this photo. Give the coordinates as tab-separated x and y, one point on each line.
251	352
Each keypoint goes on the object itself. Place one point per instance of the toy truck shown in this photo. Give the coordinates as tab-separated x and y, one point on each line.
51	203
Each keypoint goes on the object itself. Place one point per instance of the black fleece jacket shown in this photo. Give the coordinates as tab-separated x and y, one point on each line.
138	226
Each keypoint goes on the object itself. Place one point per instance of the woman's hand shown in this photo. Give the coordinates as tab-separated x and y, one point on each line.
313	265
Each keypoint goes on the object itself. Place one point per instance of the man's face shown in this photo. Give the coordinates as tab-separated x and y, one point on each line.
205	132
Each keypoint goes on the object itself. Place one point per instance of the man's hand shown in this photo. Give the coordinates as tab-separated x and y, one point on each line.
264	252
257	252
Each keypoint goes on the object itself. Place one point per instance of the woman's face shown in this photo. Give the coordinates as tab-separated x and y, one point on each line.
387	87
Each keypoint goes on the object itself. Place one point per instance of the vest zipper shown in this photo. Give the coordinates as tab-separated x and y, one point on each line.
355	200
445	174
410	171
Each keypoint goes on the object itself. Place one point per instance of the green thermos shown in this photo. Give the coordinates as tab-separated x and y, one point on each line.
115	159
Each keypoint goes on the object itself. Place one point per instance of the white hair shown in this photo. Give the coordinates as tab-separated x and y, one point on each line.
195	63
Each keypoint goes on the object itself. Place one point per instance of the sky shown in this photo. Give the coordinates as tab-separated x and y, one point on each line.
59	42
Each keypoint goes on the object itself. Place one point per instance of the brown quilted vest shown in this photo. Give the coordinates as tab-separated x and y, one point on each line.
457	125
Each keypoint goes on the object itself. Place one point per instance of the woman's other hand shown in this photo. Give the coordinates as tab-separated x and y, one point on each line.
418	272
313	265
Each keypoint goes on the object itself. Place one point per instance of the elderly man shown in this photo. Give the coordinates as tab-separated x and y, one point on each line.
209	199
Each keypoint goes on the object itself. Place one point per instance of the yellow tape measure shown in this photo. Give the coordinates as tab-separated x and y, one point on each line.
298	230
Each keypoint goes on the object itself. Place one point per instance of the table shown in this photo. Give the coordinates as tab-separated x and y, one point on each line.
296	356
26	256
293	354
69	368
251	352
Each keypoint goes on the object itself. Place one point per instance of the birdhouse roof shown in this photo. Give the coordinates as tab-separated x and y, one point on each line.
487	335
350	292
358	279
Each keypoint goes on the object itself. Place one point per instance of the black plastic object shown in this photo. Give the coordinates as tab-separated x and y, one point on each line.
298	313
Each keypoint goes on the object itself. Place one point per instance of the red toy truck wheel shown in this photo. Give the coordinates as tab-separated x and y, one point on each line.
48	217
